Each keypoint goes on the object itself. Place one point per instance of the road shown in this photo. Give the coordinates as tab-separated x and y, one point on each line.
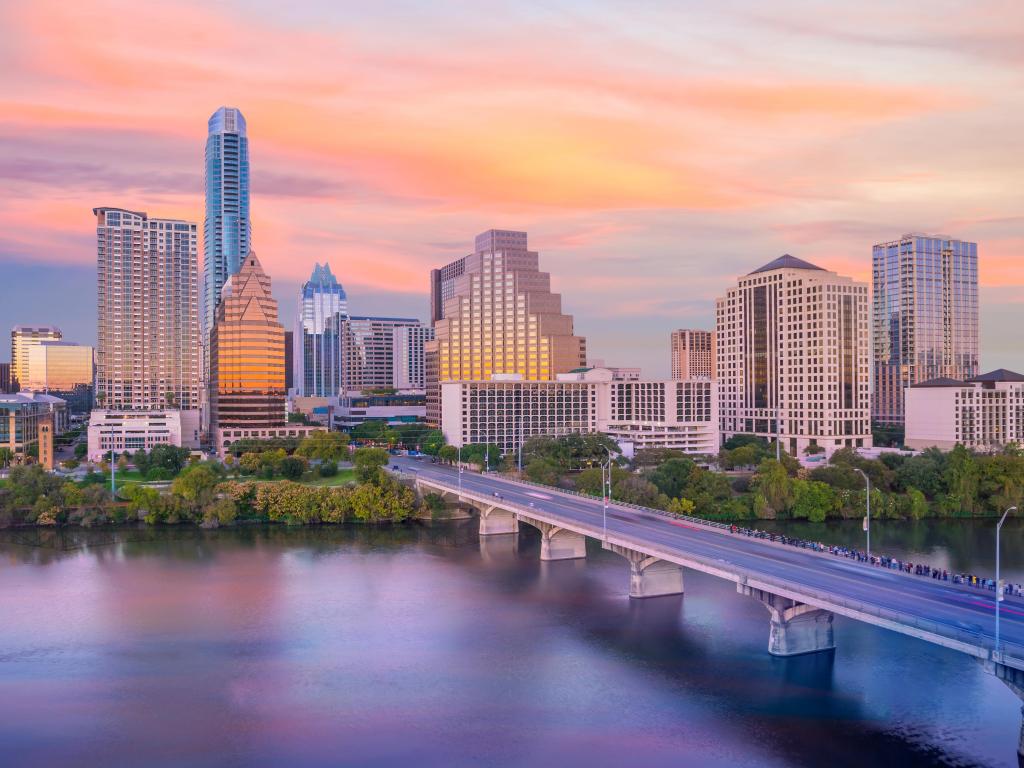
959	613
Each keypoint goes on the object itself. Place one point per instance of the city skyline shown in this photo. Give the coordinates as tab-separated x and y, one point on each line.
363	165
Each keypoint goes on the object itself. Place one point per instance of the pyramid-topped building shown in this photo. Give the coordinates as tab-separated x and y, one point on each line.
247	366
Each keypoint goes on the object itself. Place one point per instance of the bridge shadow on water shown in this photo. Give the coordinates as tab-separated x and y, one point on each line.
708	646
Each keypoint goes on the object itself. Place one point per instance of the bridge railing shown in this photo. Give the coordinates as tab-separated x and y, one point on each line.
1009	653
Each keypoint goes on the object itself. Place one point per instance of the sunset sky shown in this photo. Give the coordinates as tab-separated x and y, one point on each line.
653	151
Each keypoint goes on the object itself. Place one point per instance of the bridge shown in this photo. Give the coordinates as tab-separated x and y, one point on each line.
801	589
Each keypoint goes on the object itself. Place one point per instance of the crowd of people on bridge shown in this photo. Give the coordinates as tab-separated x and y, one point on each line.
882	561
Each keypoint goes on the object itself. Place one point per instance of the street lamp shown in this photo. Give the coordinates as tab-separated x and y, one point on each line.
867	520
459	460
606	490
999	595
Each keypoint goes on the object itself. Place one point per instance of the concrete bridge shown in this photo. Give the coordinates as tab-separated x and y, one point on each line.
802	590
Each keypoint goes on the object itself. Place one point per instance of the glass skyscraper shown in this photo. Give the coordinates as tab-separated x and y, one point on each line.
317	358
925	317
226	228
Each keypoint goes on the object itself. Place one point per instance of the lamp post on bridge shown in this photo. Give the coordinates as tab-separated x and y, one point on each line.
999	593
867	520
606	490
459	460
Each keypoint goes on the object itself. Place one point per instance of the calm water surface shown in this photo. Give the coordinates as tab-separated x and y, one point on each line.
422	646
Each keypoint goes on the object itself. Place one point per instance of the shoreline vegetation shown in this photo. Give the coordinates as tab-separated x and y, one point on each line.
302	484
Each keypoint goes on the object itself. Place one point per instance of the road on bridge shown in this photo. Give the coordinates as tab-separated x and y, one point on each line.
955	611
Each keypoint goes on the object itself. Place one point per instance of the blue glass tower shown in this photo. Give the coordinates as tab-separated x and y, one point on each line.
318	354
226	228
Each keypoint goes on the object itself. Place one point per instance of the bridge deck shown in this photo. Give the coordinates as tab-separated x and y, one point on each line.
950	615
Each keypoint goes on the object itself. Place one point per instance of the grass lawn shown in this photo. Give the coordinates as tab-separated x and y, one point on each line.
344	476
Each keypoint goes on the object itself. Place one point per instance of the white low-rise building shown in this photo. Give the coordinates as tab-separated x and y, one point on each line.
122	431
983	413
507	411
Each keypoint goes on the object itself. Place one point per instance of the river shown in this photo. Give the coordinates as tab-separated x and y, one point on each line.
414	645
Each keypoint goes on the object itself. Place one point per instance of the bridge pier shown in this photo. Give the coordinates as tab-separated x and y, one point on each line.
558	543
796	628
495	521
649	576
1014	680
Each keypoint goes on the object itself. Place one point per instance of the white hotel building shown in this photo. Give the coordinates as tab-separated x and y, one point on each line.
793	357
131	431
507	410
983	413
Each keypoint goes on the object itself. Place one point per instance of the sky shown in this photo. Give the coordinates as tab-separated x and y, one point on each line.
653	151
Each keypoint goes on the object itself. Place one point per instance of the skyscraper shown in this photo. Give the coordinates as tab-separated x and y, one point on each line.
408	355
494	313
23	338
925	316
318	364
793	357
62	369
147	351
226	227
246	358
368	350
693	354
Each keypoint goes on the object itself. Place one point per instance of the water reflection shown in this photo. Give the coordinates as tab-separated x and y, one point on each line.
429	645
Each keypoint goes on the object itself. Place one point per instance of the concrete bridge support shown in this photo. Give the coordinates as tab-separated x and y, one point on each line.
496	521
796	628
558	543
649	576
1014	680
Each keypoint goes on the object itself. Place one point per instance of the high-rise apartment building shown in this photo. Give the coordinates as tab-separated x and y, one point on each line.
23	338
368	350
63	369
925	316
494	313
148	350
408	355
793	358
318	366
693	354
226	226
246	355
6	379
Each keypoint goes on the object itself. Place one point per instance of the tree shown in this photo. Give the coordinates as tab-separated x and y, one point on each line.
543	471
432	442
293	467
80	450
195	485
917	504
673	477
327	469
220	512
448	454
634	489
647	458
773	482
681	506
369	430
963	477
324	446
369	463
813	500
250	463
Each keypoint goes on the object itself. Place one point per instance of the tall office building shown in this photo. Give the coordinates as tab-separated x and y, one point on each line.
494	313
6	379
368	350
693	354
64	370
925	315
793	359
318	364
408	354
147	351
226	226
246	356
23	338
